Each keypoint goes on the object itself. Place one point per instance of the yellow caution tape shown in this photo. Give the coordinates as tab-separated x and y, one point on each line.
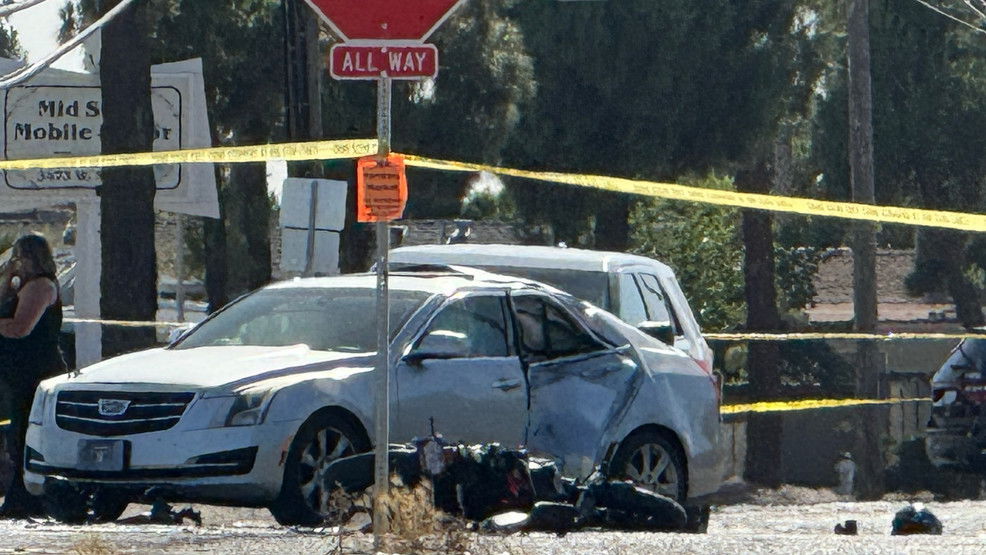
811	404
354	148
810	207
317	150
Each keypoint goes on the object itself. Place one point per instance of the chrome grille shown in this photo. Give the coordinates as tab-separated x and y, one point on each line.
78	411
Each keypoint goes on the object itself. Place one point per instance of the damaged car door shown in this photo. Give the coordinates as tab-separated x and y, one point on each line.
580	384
461	374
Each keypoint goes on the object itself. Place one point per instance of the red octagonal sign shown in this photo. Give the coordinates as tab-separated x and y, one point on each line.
385	20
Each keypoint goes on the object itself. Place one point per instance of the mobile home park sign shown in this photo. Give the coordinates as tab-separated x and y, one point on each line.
52	121
384	38
59	114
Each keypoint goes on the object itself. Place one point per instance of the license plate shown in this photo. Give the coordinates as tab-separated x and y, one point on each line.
101	454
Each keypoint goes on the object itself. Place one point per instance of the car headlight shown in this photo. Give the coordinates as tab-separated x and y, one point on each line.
249	407
38	406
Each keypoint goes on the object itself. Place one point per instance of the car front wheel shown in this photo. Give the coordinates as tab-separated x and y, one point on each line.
323	439
66	502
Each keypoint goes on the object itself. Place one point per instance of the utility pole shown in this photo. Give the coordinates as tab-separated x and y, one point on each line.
868	448
129	265
861	177
303	66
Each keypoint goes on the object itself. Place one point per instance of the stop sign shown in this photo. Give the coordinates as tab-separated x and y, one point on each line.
384	20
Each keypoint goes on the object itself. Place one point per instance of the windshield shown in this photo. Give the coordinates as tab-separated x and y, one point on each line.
324	319
586	285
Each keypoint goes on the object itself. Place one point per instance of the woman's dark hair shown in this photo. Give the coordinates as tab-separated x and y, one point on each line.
35	248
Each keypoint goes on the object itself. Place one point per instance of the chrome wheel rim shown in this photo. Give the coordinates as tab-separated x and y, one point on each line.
651	467
325	447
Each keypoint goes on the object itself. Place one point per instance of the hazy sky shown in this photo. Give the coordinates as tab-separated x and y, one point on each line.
36	29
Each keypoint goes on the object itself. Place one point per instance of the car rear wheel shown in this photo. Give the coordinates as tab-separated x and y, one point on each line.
654	462
651	461
323	439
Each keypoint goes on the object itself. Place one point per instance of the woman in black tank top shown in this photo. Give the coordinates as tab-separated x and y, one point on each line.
30	319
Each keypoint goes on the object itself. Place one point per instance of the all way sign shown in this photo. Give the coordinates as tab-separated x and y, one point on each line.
384	39
348	61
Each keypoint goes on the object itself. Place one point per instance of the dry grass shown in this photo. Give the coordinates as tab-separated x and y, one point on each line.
415	526
793	495
900	497
93	544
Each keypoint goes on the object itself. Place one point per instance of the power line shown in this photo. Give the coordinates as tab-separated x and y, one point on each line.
16	7
952	17
23	74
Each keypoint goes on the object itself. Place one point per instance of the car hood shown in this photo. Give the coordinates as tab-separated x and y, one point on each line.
208	367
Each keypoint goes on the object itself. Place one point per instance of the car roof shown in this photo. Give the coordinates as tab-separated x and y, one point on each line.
524	256
443	281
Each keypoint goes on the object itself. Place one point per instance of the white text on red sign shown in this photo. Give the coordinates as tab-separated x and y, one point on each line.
377	61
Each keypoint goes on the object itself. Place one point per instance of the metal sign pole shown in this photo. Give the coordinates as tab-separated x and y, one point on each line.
180	266
381	473
312	219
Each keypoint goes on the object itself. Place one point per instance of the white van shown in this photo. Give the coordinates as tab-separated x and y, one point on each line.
641	291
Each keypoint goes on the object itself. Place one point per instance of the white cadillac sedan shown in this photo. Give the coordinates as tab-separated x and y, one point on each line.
252	405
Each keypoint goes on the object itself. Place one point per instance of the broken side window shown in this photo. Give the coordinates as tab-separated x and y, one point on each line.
547	332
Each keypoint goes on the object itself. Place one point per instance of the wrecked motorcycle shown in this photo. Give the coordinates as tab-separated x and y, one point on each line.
956	433
504	491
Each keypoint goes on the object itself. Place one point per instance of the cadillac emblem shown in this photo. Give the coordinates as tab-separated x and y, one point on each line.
113	407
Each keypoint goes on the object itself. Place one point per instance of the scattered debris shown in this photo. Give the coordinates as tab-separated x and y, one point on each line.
163	513
915	519
849	528
504	491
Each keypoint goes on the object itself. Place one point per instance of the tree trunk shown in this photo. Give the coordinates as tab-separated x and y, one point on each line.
612	231
763	454
248	213
129	268
216	272
862	180
760	290
869	451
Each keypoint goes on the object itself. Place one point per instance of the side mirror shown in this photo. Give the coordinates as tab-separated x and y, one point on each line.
440	344
178	333
662	331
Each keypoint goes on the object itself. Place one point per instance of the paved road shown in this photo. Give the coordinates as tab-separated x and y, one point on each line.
734	529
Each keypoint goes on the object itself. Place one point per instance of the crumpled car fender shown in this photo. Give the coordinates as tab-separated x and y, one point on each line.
677	395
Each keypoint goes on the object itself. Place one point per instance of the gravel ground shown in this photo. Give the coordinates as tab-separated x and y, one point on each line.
769	524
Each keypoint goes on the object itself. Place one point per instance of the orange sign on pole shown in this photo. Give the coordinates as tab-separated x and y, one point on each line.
381	189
